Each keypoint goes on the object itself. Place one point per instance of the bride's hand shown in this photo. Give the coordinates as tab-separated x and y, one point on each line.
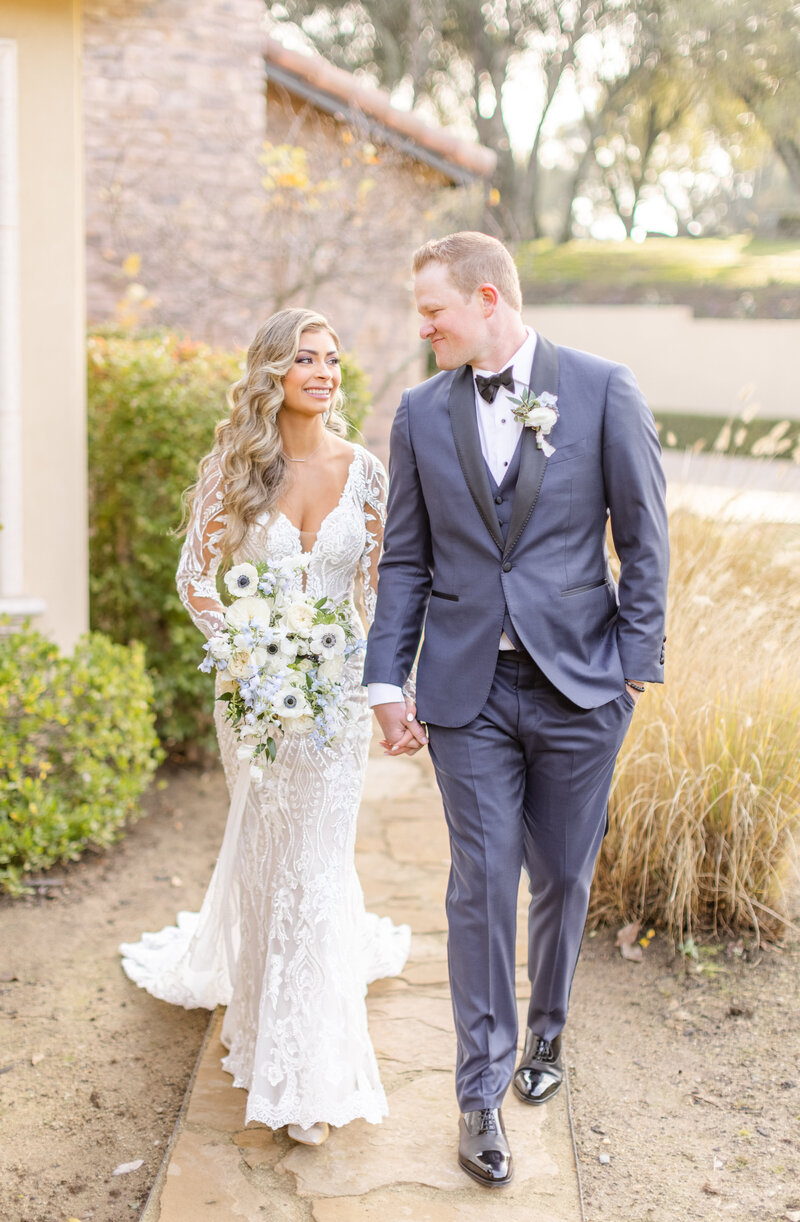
403	734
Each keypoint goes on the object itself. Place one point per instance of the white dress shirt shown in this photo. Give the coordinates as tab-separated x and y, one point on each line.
499	433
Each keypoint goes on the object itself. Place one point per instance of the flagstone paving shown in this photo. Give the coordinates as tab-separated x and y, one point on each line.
217	1170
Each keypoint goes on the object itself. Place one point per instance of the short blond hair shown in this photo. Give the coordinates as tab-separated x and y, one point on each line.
473	259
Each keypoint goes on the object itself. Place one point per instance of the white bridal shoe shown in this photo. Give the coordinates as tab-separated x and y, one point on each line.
309	1137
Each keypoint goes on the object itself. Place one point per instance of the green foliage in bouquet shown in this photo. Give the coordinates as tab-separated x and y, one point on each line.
77	750
154	400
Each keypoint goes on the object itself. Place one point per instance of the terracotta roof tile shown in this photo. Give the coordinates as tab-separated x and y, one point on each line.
317	79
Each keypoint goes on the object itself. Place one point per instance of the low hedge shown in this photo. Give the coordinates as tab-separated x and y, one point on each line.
77	750
714	434
154	400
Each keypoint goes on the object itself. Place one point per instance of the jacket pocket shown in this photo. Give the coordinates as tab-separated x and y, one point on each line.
564	453
593	585
451	598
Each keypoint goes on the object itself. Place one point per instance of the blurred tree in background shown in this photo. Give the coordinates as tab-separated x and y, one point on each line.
612	102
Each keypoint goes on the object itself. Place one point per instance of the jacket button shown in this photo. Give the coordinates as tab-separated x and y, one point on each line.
507	566
498	500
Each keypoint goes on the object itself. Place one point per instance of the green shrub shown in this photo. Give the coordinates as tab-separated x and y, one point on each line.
153	403
77	750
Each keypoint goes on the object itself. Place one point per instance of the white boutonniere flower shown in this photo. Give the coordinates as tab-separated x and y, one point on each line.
537	412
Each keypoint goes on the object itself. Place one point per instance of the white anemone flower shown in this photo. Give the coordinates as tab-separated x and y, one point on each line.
275	657
290	702
327	640
242	580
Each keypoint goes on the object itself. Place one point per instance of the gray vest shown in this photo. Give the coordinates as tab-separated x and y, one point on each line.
503	497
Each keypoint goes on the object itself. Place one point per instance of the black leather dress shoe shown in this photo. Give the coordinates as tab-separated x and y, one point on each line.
483	1151
539	1073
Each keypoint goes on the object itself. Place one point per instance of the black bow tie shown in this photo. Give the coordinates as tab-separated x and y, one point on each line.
488	387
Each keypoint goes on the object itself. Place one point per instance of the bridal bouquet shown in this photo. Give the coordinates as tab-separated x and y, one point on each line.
283	656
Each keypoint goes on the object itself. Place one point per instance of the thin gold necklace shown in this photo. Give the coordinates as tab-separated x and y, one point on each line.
311	455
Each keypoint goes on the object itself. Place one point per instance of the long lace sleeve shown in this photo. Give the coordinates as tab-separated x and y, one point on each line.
375	491
200	556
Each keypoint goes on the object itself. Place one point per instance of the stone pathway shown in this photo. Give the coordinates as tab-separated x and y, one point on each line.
216	1170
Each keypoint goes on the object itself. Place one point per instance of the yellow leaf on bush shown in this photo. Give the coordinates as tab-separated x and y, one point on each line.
132	265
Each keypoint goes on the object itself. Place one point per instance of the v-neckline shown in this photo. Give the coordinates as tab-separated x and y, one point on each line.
296	529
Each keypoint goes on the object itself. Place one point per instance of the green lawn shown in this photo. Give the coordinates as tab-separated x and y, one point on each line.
736	263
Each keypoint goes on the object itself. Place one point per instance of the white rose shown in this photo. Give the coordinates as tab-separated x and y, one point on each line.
240	664
327	640
220	647
300	725
248	610
542	418
300	618
289	649
242	580
295	563
303	665
331	669
259	657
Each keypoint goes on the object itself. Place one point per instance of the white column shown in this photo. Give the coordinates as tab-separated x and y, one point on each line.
13	601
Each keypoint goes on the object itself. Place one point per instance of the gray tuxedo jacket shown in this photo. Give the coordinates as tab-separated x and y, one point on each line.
446	570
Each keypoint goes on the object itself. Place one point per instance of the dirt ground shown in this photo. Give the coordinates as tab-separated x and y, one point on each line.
685	1073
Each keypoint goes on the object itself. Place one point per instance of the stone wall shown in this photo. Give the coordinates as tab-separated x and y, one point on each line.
174	120
180	229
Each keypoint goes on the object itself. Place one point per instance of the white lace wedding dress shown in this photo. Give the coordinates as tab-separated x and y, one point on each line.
283	939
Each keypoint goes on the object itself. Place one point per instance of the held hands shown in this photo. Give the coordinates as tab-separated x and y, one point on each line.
402	733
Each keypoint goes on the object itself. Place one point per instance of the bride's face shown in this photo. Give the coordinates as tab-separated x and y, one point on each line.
309	386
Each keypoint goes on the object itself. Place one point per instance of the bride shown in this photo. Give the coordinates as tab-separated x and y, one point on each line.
282	938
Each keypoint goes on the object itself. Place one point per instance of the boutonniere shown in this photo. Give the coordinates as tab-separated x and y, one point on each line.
537	412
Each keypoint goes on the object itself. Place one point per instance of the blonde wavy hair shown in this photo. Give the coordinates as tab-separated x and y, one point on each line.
247	444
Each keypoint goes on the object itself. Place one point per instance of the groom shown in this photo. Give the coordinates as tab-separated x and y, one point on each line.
533	659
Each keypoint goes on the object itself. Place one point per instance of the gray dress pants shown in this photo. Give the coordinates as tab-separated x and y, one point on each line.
524	784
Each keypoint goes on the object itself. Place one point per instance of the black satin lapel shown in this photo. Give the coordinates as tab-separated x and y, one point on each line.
544	376
464	423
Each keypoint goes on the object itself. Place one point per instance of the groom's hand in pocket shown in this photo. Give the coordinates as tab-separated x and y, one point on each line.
402	733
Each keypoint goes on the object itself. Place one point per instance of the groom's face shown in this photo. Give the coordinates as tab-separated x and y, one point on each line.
454	324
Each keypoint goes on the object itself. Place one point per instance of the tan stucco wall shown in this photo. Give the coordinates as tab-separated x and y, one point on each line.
713	366
51	243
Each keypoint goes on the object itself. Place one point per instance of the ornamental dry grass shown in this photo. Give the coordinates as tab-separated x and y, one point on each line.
704	807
